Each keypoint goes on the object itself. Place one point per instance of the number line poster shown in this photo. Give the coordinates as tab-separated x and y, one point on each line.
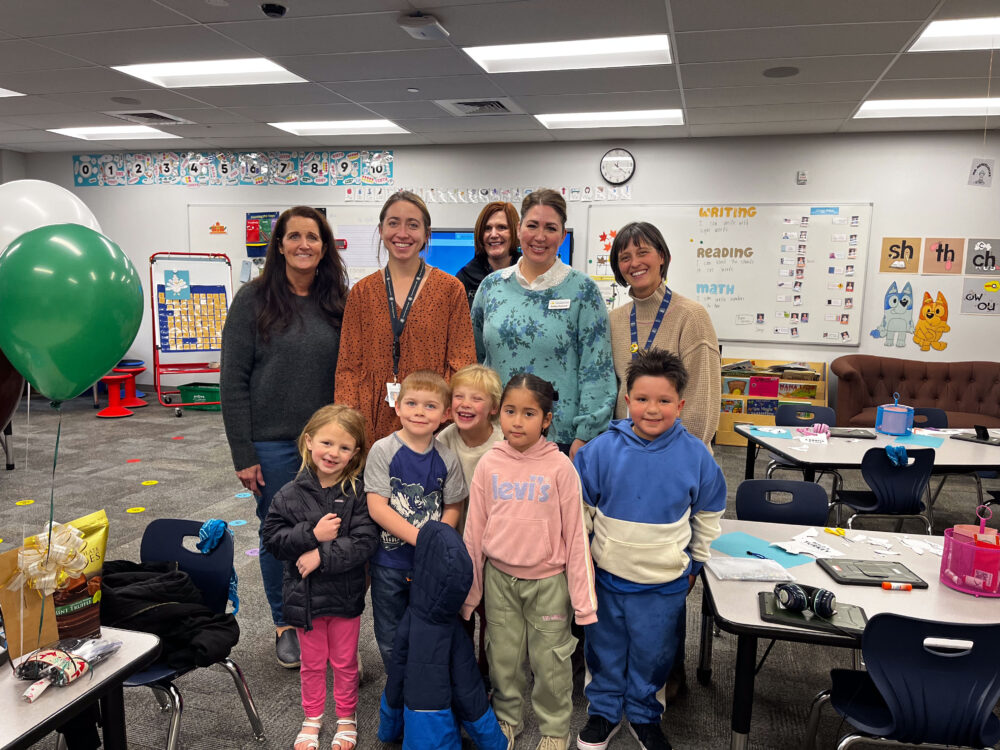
233	168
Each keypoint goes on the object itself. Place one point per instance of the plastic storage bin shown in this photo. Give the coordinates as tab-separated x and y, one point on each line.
894	418
198	393
968	568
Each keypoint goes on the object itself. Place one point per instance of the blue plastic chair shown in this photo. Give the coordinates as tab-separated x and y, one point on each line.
163	541
802	415
896	491
927	682
929	416
807	503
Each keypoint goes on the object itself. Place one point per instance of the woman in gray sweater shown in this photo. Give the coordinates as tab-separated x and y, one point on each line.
279	357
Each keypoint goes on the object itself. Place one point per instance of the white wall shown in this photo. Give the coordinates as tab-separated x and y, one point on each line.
917	183
12	166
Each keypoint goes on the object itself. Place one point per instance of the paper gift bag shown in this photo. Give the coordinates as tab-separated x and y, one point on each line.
23	610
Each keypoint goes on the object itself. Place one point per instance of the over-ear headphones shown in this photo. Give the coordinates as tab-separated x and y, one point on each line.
796	597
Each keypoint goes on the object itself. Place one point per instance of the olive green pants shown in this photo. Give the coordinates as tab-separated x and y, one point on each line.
530	618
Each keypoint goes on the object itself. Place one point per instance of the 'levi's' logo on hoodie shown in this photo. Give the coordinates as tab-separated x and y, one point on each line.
536	488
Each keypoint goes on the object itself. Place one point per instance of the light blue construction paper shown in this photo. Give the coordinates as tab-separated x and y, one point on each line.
924	441
757	432
736	544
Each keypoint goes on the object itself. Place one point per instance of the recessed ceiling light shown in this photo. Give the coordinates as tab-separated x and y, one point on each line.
243	72
340	127
114	133
634	119
412	90
782	71
929	108
615	52
962	33
8	92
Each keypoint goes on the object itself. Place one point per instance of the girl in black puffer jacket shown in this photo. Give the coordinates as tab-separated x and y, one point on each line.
319	526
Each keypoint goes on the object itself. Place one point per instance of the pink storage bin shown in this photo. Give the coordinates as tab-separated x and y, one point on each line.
968	568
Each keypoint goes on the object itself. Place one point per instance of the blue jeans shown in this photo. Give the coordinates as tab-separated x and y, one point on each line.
390	598
629	652
279	463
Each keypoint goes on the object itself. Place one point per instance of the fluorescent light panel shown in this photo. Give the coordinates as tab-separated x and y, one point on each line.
635	119
8	92
114	133
960	34
614	52
929	108
242	72
340	127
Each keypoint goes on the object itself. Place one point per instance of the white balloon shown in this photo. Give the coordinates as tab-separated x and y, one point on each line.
30	204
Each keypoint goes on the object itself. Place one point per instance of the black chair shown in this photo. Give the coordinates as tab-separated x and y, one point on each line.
757	500
927	682
163	541
929	416
802	415
896	491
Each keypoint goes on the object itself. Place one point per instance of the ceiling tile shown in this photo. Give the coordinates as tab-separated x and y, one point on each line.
18	54
286	141
10	126
64	120
210	116
812	70
240	130
67	81
495	136
967	9
647	78
600	102
726	14
905	124
945	88
304	113
371	32
35	136
395	89
161	99
201	11
769	113
339	142
776	94
152	45
28	19
32	105
964	64
718	130
809	41
482	123
270	95
367	66
403	110
619	134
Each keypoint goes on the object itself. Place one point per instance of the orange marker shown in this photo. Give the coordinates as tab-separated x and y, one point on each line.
897	586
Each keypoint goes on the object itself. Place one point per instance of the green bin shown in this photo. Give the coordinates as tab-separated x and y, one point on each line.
198	393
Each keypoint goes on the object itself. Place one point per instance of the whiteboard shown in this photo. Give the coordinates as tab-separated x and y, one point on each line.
758	268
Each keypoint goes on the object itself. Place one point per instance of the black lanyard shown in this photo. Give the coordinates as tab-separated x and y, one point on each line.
399	321
652	331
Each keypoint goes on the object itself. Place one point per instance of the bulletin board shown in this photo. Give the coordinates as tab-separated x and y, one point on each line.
766	272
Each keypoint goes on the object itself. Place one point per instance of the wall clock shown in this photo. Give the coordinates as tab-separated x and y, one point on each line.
617	166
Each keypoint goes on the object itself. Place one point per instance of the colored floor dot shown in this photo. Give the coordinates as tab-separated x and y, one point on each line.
237	523
133	460
149	483
24	502
135	510
244	494
253	552
177	437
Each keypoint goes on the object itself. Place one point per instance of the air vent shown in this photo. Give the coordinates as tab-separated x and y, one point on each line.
479	107
149	117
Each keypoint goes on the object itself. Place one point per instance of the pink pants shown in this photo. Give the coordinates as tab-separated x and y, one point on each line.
333	639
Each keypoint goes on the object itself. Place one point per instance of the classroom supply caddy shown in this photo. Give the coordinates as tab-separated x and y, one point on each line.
894	418
971	559
189	298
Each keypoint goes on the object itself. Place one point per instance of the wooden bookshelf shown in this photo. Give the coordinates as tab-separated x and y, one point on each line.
789	391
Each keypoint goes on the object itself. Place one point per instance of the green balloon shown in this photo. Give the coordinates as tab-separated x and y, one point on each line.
70	306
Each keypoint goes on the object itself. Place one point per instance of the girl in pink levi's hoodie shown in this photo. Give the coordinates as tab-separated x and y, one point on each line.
525	534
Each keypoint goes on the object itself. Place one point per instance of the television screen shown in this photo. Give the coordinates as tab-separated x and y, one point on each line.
450	249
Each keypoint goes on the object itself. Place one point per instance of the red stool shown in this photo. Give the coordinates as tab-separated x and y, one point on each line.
115	408
131	400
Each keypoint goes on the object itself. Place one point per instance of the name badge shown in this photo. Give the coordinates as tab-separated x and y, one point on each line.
391	393
559	304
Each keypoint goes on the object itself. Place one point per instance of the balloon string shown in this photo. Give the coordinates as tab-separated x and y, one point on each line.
52	511
27	430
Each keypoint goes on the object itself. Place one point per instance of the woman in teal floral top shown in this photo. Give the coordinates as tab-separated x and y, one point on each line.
543	317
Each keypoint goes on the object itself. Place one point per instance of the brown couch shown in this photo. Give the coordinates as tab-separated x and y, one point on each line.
968	391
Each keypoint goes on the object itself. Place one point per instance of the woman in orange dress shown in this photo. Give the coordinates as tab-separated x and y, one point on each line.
430	312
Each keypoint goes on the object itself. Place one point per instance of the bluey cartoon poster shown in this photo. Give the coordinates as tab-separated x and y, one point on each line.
932	323
897	316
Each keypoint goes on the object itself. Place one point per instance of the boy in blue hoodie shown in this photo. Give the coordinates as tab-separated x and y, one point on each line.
656	495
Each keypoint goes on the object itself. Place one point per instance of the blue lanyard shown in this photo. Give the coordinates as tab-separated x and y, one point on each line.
634	349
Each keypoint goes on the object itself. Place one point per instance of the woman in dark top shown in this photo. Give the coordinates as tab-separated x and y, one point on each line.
496	245
279	359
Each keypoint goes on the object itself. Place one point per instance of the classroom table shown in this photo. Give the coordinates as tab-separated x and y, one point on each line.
734	605
952	456
26	723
